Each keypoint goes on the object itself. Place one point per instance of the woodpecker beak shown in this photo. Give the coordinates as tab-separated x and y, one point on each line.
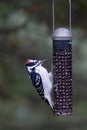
42	61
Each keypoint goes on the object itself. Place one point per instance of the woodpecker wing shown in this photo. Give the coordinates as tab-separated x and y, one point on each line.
37	83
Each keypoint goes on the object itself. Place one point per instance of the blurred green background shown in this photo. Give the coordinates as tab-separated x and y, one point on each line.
25	32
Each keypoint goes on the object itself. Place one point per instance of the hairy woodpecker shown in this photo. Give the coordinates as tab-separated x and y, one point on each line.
40	79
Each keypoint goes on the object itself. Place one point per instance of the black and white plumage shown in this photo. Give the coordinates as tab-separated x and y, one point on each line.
41	79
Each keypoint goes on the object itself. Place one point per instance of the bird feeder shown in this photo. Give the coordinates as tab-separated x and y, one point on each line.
62	69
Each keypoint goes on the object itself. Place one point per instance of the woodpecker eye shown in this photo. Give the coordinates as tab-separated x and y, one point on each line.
32	63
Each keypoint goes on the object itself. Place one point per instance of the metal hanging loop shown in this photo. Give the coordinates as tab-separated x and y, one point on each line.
53	15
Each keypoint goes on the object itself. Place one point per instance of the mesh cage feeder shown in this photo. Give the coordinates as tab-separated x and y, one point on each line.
62	71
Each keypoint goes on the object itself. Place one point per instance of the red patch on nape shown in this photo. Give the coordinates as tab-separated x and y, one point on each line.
28	61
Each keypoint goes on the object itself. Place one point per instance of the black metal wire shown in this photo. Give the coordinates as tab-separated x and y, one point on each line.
70	16
53	16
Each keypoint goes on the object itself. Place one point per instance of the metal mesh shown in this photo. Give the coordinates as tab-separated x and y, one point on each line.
62	81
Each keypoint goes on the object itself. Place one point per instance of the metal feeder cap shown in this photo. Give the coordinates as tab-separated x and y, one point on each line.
61	34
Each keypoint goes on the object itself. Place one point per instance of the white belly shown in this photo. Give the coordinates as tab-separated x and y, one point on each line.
45	79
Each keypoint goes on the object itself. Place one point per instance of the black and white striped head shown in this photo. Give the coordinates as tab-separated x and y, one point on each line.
32	64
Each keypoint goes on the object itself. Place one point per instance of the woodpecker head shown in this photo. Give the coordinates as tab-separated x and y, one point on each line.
32	64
